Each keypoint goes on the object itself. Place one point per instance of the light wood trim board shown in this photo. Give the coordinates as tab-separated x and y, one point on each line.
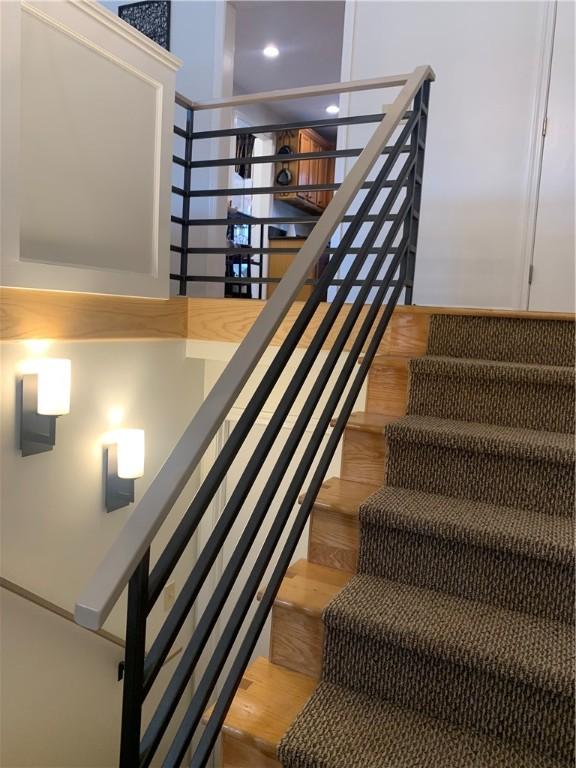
30	314
33	314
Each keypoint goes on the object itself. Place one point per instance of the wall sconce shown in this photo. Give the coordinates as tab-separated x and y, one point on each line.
45	395
124	459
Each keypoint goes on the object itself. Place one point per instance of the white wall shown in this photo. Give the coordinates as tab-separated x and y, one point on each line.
59	695
472	239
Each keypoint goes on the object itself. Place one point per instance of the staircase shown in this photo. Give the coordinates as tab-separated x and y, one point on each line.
452	645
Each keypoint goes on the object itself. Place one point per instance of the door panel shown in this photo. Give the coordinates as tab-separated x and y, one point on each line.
552	286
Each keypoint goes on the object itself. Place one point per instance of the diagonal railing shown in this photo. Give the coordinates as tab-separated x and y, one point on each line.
381	235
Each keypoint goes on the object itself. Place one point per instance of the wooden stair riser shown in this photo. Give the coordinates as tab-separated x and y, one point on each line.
296	640
387	391
237	754
364	456
333	539
406	335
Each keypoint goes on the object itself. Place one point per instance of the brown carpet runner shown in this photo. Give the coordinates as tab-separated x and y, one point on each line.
453	646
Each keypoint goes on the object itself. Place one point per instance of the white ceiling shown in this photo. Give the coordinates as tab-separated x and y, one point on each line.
308	34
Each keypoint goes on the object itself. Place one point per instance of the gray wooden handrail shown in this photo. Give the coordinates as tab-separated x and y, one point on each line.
294	93
115	570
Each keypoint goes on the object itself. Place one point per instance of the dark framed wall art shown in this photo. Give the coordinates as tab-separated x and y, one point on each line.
151	17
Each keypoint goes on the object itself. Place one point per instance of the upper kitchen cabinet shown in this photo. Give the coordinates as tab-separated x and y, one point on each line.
295	173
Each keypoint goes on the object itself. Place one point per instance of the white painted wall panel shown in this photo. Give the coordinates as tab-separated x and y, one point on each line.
87	115
474	206
90	155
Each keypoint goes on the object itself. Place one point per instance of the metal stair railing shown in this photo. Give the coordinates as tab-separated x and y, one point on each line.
386	224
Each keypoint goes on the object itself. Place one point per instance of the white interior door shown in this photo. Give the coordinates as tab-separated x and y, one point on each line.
553	279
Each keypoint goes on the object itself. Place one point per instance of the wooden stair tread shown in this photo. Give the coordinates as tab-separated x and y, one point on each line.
267	701
308	587
389	361
366	421
342	496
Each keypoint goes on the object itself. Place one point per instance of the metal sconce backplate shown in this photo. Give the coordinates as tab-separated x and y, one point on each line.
119	490
37	431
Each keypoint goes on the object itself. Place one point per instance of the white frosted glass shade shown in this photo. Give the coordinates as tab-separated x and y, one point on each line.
130	453
54	378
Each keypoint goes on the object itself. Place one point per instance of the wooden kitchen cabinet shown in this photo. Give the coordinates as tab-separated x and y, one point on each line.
303	172
279	263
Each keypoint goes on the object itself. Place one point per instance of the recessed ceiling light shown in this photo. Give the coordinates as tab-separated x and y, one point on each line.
333	109
271	51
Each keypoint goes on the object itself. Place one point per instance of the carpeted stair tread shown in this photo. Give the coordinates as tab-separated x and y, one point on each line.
453	645
507	529
340	728
511	394
532	444
535	651
464	368
527	340
501	465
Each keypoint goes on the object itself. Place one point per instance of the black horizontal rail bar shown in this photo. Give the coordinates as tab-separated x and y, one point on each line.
295	125
192	652
229	634
165	636
258	221
266	190
259	280
227	518
249	251
213	278
188	524
287	158
205	561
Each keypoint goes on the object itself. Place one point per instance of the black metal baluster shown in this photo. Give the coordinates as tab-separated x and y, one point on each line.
260	260
415	183
182	286
134	665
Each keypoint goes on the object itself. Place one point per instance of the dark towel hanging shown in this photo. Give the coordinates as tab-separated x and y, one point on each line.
244	149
